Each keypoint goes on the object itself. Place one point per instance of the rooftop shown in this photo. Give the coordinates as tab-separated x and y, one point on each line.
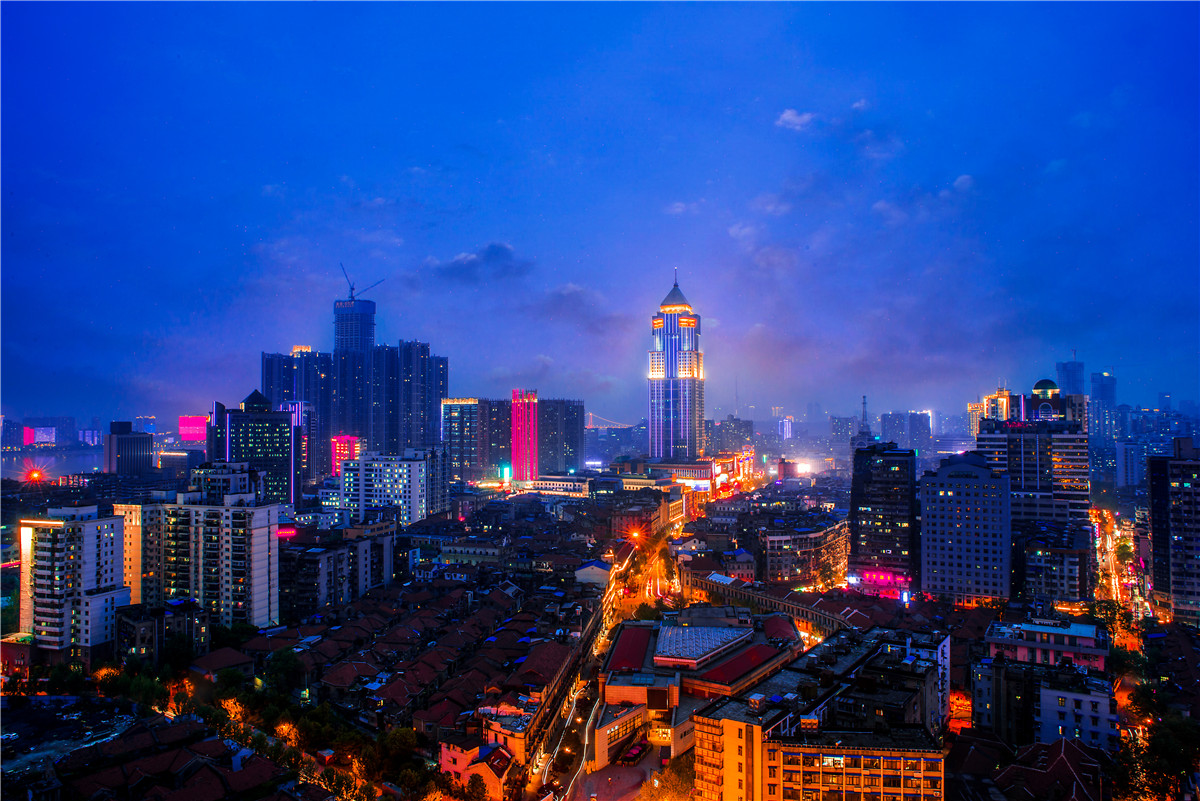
696	642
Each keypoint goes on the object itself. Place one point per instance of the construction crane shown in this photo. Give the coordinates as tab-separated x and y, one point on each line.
351	283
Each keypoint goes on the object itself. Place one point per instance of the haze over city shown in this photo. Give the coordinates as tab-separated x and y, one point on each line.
910	202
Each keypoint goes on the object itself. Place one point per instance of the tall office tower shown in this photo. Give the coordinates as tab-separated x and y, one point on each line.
265	439
920	433
1070	377
72	582
143	562
304	422
385	399
412	484
1102	424
731	435
1003	404
975	413
220	544
462	438
966	531
126	452
343	448
1047	464
145	424
893	427
424	381
883	521
495	420
1175	531
304	376
676	380
784	427
525	435
841	429
560	435
353	343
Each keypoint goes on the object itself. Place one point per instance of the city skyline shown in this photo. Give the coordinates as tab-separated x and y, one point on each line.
903	202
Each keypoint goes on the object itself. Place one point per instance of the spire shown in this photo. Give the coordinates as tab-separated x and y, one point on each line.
863	427
676	276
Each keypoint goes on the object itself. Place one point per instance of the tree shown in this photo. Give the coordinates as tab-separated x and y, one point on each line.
645	612
476	788
1124	662
229	681
673	783
285	671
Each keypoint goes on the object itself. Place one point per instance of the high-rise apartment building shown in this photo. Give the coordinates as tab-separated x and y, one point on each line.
495	421
920	433
71	583
884	540
462	438
127	452
676	381
219	544
143	549
267	440
424	381
413	484
353	343
1070	377
304	376
966	531
1047	464
344	447
560	435
525	435
1103	408
1175	531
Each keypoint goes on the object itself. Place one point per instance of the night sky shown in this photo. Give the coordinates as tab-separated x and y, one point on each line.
908	201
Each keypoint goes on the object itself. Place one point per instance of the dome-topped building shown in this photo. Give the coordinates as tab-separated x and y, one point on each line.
1045	389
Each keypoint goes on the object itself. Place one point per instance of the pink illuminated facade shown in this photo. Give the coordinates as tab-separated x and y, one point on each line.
345	447
524	434
193	427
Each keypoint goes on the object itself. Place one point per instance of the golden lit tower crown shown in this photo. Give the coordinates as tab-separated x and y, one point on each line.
676	379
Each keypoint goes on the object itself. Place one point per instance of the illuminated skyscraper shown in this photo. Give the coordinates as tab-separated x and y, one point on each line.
265	439
344	447
353	343
676	377
524	434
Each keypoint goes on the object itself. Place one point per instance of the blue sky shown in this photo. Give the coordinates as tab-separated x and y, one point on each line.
907	201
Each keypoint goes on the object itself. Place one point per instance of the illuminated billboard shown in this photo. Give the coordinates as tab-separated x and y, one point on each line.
193	427
45	435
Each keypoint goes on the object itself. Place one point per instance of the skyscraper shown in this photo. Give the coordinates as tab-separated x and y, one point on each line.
462	438
265	439
304	376
525	434
1047	463
560	435
883	520
1175	530
1103	406
126	452
676	381
353	343
1070	377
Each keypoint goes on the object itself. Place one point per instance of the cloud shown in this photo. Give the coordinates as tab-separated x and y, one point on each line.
772	204
679	207
495	261
891	213
746	234
794	120
964	183
860	105
878	146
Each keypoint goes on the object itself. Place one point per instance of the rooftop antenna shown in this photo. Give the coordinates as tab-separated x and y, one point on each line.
676	276
864	428
351	283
